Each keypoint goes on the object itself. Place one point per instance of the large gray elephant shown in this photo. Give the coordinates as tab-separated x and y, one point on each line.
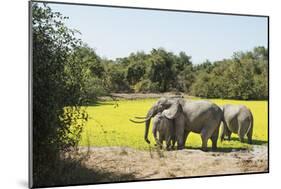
238	120
199	116
165	129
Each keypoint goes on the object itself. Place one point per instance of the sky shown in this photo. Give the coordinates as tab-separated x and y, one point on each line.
117	32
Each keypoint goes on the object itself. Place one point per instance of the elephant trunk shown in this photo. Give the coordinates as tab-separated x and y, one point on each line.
147	123
149	115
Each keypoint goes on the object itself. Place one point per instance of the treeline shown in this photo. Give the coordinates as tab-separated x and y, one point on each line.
244	76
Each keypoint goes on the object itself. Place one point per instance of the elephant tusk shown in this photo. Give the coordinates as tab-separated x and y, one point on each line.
137	117
138	121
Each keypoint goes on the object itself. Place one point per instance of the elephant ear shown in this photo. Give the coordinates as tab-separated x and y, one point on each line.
173	111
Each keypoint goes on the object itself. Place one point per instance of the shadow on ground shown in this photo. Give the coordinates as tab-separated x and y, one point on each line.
219	149
231	149
254	141
101	103
74	173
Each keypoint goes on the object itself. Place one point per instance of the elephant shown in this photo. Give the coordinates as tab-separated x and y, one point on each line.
238	119
199	116
165	129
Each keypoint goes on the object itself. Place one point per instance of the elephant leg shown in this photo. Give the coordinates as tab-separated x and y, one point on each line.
168	142
214	138
241	132
186	133
161	139
223	131
227	132
249	135
179	125
173	134
204	143
180	139
241	136
154	131
173	142
229	135
204	138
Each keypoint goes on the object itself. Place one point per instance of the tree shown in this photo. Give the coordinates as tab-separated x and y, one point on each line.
183	72
160	69
57	118
244	76
92	75
135	72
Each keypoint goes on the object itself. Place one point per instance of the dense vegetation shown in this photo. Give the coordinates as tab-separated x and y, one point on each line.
244	76
67	73
57	92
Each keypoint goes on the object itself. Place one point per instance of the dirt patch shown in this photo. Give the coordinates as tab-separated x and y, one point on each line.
157	164
134	96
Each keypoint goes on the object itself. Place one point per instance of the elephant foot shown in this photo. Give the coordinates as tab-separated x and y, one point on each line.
168	149
180	147
214	148
205	149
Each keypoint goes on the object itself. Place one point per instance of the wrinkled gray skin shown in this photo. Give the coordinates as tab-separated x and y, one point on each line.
238	120
165	129
202	117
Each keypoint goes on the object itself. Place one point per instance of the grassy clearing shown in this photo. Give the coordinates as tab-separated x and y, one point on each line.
109	124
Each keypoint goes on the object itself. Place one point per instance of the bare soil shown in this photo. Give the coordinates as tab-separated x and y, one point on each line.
155	164
134	96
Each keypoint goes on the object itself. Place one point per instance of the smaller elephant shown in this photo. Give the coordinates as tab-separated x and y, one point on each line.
238	119
165	129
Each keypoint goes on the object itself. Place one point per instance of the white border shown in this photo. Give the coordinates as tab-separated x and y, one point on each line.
14	92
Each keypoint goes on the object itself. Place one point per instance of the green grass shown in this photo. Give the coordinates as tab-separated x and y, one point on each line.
109	125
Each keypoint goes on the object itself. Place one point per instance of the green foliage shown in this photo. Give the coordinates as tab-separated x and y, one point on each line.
146	86
160	69
135	72
245	76
117	78
92	75
56	85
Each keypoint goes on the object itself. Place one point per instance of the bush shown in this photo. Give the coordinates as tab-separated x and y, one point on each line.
57	89
147	86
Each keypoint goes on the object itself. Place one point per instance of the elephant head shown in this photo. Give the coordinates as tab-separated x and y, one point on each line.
170	108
